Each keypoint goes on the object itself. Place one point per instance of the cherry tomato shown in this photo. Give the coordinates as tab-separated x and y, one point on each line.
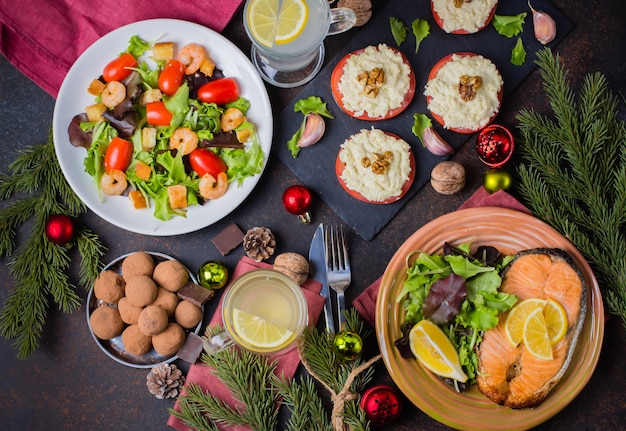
118	155
157	114
206	162
117	69
220	91
171	77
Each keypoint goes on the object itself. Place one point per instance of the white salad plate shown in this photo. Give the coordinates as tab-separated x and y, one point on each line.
73	98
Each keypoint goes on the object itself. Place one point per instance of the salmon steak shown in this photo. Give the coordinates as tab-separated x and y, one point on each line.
510	375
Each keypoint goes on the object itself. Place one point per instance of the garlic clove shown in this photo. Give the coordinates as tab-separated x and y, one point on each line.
545	27
314	127
434	143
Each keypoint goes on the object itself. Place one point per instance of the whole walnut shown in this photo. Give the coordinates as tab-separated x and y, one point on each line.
293	265
448	177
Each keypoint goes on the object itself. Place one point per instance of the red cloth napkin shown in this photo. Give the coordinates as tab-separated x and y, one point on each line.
365	303
43	38
287	363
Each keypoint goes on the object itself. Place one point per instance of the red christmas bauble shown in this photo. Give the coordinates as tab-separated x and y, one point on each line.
382	405
297	200
60	229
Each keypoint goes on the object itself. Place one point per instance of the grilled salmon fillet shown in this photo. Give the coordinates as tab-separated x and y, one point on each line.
510	375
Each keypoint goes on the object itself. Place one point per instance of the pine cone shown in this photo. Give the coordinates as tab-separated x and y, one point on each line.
165	381
259	243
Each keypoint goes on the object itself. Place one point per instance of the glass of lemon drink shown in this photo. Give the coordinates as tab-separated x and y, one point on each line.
263	311
288	37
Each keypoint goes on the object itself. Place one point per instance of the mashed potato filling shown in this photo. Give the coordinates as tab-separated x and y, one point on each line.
470	16
390	94
446	101
360	177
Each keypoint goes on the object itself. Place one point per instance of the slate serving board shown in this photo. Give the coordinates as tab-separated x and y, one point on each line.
315	166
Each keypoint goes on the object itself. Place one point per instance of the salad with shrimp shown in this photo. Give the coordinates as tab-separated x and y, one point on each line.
167	129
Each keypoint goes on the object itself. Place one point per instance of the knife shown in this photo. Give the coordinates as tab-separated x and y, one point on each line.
317	263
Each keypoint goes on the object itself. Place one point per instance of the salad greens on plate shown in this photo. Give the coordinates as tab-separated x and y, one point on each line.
459	291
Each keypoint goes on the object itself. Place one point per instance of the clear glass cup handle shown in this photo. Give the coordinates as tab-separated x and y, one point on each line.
217	342
341	19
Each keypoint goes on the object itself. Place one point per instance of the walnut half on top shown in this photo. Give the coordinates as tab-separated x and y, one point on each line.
371	81
468	85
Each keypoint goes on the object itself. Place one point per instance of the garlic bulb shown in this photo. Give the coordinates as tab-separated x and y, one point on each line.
545	27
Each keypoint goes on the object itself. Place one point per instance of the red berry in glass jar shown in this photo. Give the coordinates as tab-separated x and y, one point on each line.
495	145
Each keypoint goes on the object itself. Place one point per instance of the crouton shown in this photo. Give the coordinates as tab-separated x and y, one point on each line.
143	170
137	199
207	66
149	96
95	87
177	196
163	51
94	112
148	138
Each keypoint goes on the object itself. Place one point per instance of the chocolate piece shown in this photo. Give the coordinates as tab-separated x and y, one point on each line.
195	294
190	350
228	239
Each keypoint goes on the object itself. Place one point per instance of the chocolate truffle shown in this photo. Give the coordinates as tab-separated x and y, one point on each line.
152	320
166	300
187	314
171	274
109	286
128	312
136	342
106	322
141	290
169	341
138	263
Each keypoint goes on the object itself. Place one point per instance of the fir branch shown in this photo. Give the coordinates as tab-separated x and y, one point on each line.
39	266
307	409
574	177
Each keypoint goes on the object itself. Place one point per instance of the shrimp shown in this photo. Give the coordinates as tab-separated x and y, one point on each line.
113	94
191	55
213	188
231	119
184	139
113	182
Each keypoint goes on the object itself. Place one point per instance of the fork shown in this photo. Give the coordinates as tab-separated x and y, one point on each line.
337	267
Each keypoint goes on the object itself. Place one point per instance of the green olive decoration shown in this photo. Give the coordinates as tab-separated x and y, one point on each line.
497	179
348	345
213	275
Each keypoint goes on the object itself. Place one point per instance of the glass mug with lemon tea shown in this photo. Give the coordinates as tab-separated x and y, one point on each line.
263	311
288	37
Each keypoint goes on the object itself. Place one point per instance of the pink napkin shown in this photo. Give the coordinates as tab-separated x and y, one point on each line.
365	303
43	38
287	363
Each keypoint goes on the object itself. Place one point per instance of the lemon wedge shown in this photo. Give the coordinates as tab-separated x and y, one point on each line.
536	337
273	21
435	351
556	321
291	21
259	332
514	323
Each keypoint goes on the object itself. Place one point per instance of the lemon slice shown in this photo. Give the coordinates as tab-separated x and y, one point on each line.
514	323
435	351
536	337
259	332
556	321
291	21
262	16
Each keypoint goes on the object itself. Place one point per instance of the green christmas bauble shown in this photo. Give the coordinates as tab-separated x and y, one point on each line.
497	179
348	345
213	275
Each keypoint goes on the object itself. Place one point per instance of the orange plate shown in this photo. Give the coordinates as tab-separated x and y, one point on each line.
510	231
433	73
337	73
439	20
339	167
